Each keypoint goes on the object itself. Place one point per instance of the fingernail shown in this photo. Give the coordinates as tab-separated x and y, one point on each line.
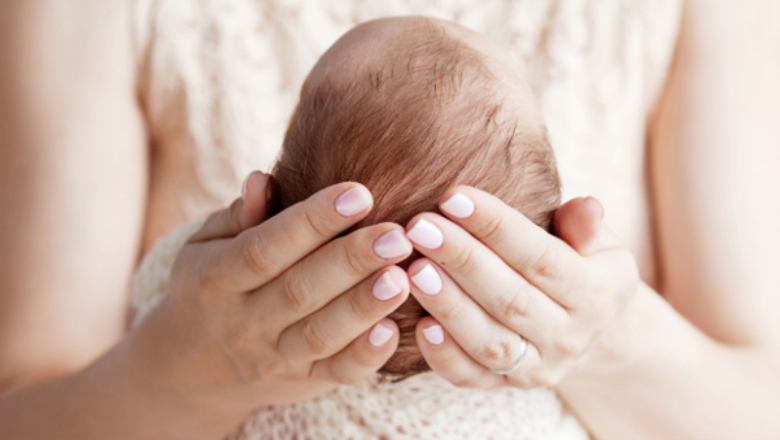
353	201
428	280
434	334
379	335
384	288
391	245
243	186
458	206
599	207
426	235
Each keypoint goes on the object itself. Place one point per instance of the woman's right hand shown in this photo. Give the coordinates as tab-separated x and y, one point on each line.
276	311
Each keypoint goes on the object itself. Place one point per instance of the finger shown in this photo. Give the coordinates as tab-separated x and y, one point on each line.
451	362
361	358
579	222
486	340
333	327
328	273
544	260
245	212
263	252
485	277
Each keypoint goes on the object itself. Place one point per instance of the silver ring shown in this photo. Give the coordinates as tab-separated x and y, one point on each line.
511	367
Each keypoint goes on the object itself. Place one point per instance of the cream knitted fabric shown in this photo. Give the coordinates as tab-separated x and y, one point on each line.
421	407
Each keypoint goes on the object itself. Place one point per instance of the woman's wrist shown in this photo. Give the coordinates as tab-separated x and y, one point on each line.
656	366
170	387
633	340
110	398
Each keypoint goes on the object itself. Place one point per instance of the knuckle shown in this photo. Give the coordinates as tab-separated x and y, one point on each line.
546	267
208	280
450	310
317	222
491	229
257	258
518	308
497	354
360	309
313	338
239	336
462	261
599	306
568	347
296	296
353	262
272	368
365	359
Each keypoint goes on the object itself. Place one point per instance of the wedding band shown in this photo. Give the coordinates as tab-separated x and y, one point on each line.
516	362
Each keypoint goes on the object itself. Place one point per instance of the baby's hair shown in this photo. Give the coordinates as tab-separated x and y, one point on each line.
425	116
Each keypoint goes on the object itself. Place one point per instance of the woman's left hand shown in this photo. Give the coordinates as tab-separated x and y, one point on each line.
491	277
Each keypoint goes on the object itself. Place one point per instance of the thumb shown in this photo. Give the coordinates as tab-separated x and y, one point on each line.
254	195
579	222
249	210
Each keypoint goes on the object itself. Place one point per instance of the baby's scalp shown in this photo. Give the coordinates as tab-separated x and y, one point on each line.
410	107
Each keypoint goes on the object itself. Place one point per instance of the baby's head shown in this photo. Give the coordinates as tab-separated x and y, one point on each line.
410	107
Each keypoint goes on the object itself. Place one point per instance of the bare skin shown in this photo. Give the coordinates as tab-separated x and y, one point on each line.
59	322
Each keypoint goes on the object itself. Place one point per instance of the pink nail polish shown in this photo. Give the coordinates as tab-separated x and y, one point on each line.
458	206
391	245
598	206
379	335
434	334
428	280
426	235
384	288
243	186
353	201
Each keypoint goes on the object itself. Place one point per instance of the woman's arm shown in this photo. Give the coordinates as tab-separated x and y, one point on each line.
713	372
715	161
73	177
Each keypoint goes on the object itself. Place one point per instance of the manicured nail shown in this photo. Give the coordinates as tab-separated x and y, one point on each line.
597	205
458	206
426	235
379	335
384	288
243	186
353	201
434	334
428	280
392	244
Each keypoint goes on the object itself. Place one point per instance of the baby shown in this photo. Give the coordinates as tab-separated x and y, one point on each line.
410	107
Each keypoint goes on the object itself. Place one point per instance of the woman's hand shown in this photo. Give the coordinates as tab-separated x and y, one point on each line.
279	312
492	278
